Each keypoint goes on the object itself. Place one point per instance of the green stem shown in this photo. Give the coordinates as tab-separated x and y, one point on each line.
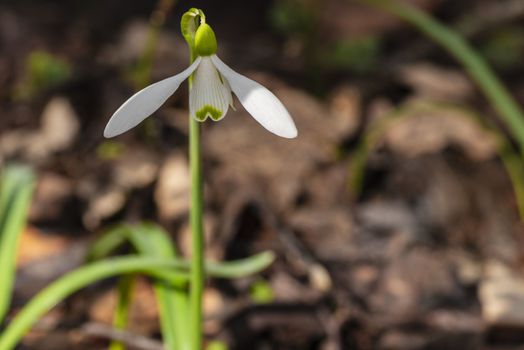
197	230
487	81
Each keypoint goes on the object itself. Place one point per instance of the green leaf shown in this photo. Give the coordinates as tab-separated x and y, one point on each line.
16	188
108	242
74	281
172	271
241	268
125	297
151	240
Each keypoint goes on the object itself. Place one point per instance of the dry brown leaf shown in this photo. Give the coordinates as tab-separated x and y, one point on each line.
433	131
434	82
501	295
345	106
248	156
59	128
35	245
172	188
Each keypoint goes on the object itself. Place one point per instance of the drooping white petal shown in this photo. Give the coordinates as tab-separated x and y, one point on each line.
146	101
261	103
210	95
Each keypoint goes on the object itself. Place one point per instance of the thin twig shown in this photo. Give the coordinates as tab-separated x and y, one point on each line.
137	341
489	14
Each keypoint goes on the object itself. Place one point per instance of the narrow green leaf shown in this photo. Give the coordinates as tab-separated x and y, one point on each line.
172	270
125	297
241	268
151	240
16	187
72	282
108	242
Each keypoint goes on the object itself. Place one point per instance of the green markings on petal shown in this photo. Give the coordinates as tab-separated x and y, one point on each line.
209	96
208	111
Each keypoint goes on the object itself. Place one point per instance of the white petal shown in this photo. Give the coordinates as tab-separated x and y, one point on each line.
265	107
146	101
210	95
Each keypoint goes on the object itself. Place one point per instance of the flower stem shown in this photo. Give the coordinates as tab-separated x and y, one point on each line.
197	230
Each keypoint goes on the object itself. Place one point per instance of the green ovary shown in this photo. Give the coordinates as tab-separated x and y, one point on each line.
210	111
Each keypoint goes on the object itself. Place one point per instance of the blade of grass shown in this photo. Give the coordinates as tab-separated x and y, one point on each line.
173	299
16	187
107	243
487	81
83	276
241	268
125	296
72	282
150	240
369	141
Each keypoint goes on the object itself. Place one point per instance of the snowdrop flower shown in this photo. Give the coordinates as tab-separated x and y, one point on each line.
210	95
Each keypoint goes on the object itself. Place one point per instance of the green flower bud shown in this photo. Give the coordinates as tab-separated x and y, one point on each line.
205	40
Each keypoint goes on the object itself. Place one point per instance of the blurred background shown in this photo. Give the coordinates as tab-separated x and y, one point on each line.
394	219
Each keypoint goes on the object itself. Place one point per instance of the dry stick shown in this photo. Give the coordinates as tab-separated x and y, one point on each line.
488	15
